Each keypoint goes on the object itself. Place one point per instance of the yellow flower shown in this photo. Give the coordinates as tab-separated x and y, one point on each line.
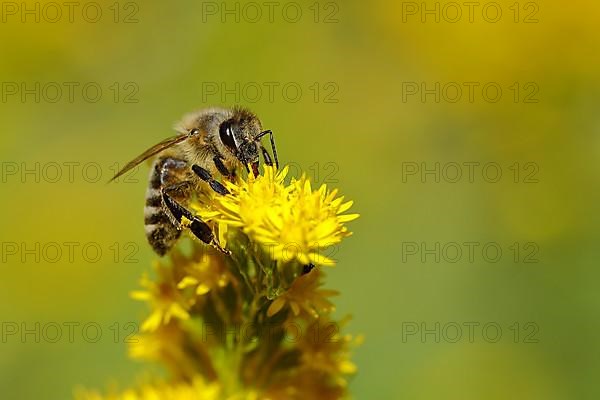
197	390
166	300
328	351
291	221
305	295
205	274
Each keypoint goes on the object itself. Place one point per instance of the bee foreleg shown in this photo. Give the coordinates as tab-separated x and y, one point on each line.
221	167
207	177
266	156
273	148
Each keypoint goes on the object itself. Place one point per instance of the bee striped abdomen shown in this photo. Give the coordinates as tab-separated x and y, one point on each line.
160	228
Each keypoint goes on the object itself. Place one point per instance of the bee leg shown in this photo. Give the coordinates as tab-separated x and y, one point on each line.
199	228
221	167
273	148
266	156
207	177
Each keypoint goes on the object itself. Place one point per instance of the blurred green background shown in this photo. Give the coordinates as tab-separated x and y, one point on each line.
356	126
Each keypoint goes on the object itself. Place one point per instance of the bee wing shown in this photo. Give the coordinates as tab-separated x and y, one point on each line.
157	148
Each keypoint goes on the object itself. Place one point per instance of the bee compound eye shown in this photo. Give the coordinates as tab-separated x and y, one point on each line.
226	135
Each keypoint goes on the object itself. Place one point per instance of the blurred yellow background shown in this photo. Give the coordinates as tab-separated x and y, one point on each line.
361	95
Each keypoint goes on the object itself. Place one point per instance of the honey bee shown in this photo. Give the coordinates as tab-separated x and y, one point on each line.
210	142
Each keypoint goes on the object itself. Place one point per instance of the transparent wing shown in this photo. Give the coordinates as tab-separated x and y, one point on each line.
157	148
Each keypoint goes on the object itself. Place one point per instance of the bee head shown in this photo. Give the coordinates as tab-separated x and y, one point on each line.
238	134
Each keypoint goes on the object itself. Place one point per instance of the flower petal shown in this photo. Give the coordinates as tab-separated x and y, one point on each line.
276	306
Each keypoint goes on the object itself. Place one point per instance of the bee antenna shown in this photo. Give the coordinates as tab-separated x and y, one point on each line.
263	133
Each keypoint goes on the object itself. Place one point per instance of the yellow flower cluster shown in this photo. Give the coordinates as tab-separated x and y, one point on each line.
196	390
290	221
256	323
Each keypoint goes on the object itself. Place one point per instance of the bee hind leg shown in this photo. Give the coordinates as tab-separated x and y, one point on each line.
199	228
